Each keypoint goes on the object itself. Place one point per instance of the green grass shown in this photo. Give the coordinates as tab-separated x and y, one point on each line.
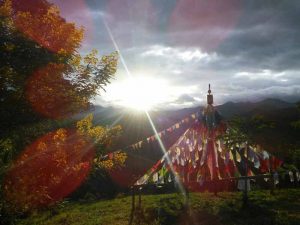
205	208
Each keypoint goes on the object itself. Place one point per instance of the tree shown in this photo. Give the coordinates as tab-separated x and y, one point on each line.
247	130
39	44
244	132
57	163
44	81
42	76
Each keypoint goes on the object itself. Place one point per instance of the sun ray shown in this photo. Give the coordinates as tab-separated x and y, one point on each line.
116	47
166	156
182	190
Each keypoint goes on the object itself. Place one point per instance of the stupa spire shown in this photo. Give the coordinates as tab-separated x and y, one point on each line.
210	97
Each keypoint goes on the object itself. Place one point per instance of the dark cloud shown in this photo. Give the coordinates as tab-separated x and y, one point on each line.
266	37
258	57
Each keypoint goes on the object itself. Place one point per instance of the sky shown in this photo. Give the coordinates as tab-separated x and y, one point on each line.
248	50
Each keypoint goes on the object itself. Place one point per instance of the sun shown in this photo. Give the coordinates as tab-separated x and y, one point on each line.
139	93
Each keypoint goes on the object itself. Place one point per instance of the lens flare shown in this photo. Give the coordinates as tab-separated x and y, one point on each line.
48	170
139	16
51	95
125	176
166	155
209	22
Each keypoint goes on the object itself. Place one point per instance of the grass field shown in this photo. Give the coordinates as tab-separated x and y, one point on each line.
281	208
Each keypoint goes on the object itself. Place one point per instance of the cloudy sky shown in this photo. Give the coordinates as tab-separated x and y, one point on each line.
247	50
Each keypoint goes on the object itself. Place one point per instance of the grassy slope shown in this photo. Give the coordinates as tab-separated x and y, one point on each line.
281	208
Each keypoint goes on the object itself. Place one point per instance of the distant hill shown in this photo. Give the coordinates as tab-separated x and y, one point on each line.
136	125
230	109
131	120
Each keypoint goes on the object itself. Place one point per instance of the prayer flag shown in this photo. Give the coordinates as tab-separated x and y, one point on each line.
297	176
155	177
238	156
291	176
204	153
276	178
140	144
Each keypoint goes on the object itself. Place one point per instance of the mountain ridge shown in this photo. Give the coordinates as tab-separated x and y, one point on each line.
227	110
136	125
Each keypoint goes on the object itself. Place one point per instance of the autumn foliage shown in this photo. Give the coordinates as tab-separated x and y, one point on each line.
53	166
41	64
44	83
48	170
51	95
40	21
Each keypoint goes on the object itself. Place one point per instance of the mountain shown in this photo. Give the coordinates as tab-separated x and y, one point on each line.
230	109
136	125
